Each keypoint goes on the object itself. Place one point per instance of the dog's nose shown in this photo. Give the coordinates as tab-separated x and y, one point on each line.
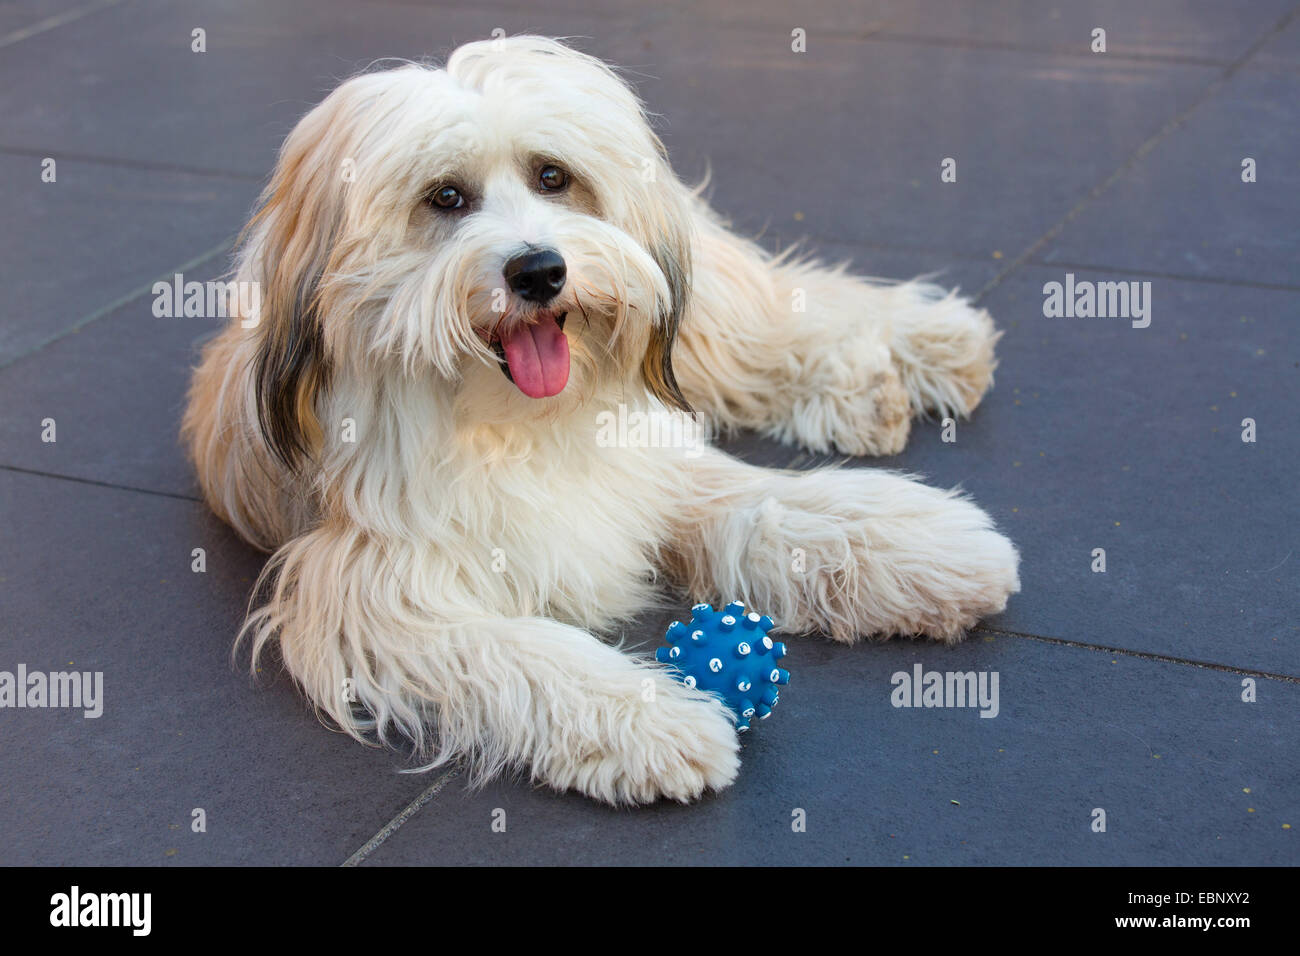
536	276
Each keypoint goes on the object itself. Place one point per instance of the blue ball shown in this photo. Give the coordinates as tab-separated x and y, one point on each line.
728	654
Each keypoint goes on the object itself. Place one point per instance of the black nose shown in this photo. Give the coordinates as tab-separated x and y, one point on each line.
536	276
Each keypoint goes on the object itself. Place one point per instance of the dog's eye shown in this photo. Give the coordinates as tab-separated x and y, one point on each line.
552	178
447	197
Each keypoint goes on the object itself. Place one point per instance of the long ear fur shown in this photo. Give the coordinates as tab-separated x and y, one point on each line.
674	260
291	238
290	371
670	223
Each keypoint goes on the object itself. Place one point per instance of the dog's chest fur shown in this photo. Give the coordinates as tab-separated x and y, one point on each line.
569	530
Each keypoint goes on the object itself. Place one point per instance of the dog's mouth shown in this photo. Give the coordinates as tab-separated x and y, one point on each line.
535	355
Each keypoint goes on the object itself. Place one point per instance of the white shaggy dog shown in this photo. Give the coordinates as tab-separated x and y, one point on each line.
461	270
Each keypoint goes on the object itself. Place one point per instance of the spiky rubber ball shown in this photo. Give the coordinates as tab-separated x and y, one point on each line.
728	653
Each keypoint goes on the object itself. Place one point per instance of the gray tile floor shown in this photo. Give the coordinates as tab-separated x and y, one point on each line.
1121	691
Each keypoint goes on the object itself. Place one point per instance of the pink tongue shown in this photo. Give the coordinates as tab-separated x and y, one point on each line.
538	356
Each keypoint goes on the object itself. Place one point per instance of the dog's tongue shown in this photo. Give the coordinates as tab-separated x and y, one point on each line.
538	356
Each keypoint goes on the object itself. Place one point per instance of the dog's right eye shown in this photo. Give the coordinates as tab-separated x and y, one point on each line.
446	197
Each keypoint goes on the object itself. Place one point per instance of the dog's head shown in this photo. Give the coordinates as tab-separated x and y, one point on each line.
508	227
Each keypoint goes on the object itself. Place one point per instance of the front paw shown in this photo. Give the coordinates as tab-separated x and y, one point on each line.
970	578
941	575
877	555
677	745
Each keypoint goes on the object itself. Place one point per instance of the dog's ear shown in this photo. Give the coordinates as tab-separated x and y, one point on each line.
289	242
674	262
290	371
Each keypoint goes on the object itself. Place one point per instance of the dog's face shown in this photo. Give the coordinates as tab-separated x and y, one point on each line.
507	227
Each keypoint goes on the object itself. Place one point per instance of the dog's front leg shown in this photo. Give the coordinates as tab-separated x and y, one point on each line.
850	552
365	629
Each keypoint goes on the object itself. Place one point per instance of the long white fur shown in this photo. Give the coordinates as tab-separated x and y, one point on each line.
454	564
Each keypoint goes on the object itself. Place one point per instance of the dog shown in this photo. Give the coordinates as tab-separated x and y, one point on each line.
463	270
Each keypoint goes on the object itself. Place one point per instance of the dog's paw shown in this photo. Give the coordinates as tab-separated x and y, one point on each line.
850	399
970	581
943	347
879	555
943	574
677	746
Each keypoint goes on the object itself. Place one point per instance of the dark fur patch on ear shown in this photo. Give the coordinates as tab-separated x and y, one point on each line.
657	367
290	371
